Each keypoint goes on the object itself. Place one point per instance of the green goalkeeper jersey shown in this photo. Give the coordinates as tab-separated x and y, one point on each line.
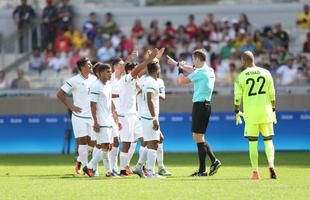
254	87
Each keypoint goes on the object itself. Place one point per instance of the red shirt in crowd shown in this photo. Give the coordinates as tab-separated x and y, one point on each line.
191	30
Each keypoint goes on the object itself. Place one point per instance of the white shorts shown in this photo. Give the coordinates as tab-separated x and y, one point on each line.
93	135
105	135
115	132
149	134
81	126
131	128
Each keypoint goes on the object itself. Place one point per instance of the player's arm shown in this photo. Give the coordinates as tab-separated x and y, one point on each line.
151	107
162	91
115	117
93	108
135	72
121	68
61	95
237	101
272	97
115	95
162	96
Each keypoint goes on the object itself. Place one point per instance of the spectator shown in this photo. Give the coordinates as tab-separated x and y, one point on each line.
306	46
85	51
91	27
234	29
37	61
221	71
233	74
258	42
244	23
79	39
137	31
58	62
249	45
20	82
286	74
208	26
240	40
49	26
109	26
62	44
65	15
274	66
270	42
3	82
304	70
106	53
23	15
100	40
227	49
191	28
153	37
281	35
74	58
182	37
303	18
170	30
127	45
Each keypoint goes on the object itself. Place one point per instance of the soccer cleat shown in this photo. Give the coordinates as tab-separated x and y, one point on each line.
255	175
273	174
164	172
114	171
77	167
128	170
89	172
139	171
123	173
214	167
150	174
197	173
111	175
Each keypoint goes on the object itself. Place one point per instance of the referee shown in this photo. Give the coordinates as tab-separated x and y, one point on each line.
203	78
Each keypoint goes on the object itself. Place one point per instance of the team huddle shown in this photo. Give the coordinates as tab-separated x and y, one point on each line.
113	104
119	103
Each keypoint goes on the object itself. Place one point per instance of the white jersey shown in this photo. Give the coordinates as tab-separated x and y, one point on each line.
140	84
150	85
102	95
80	87
115	84
128	95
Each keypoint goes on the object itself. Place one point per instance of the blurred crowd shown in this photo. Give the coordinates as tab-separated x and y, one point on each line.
63	43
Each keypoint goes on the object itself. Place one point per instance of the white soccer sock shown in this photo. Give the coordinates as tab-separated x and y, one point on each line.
123	160
83	154
95	151
95	160
113	157
131	151
142	155
106	162
160	156
151	160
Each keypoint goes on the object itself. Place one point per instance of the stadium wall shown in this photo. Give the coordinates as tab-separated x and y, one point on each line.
46	133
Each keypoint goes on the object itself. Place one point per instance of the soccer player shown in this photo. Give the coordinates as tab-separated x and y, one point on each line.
203	78
103	113
254	87
128	111
79	86
149	120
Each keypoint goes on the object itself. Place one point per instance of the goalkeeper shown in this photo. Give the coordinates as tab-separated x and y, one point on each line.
254	87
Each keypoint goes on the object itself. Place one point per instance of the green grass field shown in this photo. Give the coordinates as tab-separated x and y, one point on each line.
52	177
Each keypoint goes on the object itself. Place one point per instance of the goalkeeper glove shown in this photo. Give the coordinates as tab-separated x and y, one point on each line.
274	116
239	114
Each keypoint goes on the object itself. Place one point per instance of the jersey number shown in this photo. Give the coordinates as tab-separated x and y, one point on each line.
252	82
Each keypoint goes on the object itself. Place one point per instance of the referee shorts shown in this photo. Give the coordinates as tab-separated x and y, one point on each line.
200	116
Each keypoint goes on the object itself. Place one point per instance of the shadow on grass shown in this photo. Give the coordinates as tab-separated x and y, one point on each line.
294	159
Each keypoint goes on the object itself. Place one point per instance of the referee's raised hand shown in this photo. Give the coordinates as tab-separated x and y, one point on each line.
171	61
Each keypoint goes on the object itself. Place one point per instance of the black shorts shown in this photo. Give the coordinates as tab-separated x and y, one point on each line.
200	116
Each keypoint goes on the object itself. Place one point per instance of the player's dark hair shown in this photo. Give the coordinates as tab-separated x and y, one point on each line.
152	67
130	66
96	68
200	54
116	61
81	62
103	67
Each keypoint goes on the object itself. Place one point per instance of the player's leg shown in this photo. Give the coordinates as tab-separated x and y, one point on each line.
151	158
251	132
160	158
124	157
138	169
114	154
131	151
267	132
